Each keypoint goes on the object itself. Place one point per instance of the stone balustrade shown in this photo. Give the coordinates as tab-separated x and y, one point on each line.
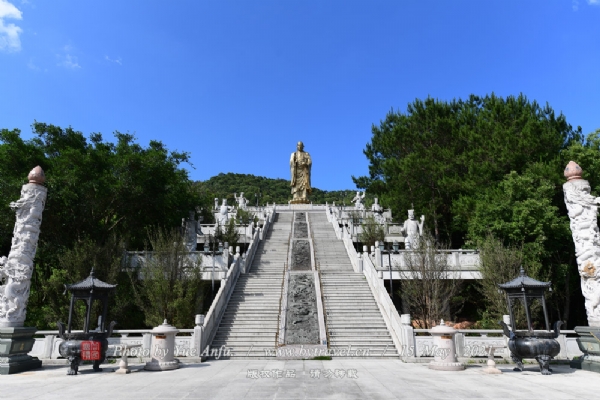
416	344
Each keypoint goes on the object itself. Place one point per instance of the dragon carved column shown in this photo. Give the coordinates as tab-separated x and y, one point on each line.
16	270
582	208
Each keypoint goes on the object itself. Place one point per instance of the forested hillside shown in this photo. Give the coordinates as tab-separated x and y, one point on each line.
265	190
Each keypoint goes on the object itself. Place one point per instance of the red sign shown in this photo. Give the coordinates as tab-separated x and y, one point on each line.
90	350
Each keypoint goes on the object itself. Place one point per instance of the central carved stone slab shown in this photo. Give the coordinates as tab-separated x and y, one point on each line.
302	326
300	227
300	230
301	256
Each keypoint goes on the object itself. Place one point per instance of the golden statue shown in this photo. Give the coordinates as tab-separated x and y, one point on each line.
300	164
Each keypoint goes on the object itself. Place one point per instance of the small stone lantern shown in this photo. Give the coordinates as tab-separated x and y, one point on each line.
444	350
163	348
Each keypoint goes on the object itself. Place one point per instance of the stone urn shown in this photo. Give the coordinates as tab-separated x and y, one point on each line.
542	346
163	348
445	351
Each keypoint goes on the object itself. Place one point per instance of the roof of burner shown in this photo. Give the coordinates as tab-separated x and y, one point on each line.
524	281
91	283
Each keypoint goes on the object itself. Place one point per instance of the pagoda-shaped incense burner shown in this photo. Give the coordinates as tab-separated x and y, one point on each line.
89	344
541	345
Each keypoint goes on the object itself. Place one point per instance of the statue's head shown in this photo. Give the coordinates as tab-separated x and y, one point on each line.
411	214
300	146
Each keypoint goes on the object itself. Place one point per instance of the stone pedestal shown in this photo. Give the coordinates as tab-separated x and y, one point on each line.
15	343
444	350
589	343
300	201
163	348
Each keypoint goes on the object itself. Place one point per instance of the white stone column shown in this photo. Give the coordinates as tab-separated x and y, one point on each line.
16	270
582	208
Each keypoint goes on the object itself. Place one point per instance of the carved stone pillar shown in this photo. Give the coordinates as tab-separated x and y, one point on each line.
583	209
15	273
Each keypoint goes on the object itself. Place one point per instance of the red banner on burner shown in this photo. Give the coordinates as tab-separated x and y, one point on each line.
90	350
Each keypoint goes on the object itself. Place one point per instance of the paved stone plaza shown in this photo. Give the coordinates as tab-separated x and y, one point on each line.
369	379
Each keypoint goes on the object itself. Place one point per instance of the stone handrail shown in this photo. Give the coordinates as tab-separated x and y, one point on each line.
217	308
390	315
382	298
249	257
219	304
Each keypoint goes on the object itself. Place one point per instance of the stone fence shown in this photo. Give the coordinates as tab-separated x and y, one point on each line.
473	343
461	264
417	343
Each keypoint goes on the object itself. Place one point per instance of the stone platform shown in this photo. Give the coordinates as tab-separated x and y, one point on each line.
311	379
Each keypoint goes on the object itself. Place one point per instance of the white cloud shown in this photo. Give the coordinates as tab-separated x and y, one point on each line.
31	65
575	4
116	61
67	59
594	2
9	32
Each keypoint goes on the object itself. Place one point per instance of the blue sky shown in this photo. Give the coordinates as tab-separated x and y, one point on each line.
238	83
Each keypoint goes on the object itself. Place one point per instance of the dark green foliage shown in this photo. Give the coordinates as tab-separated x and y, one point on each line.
270	190
101	198
482	166
170	285
429	285
371	232
499	264
228	235
438	152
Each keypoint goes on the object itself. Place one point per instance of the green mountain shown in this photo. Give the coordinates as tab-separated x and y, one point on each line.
265	190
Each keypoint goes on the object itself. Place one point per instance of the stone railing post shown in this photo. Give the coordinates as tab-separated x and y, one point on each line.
360	263
198	332
459	344
378	256
146	343
409	348
48	346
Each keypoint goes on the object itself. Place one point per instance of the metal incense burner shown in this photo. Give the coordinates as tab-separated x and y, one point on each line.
541	345
90	344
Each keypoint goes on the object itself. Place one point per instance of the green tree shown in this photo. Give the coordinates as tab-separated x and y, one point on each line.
521	212
372	232
438	152
267	190
169	283
99	193
429	285
498	264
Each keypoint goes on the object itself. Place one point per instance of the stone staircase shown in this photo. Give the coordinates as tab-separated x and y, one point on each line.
352	315
249	325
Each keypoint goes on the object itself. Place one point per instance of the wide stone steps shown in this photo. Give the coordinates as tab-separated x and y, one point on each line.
354	320
249	324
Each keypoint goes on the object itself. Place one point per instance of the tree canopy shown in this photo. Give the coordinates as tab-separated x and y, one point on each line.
437	155
101	195
270	190
486	167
